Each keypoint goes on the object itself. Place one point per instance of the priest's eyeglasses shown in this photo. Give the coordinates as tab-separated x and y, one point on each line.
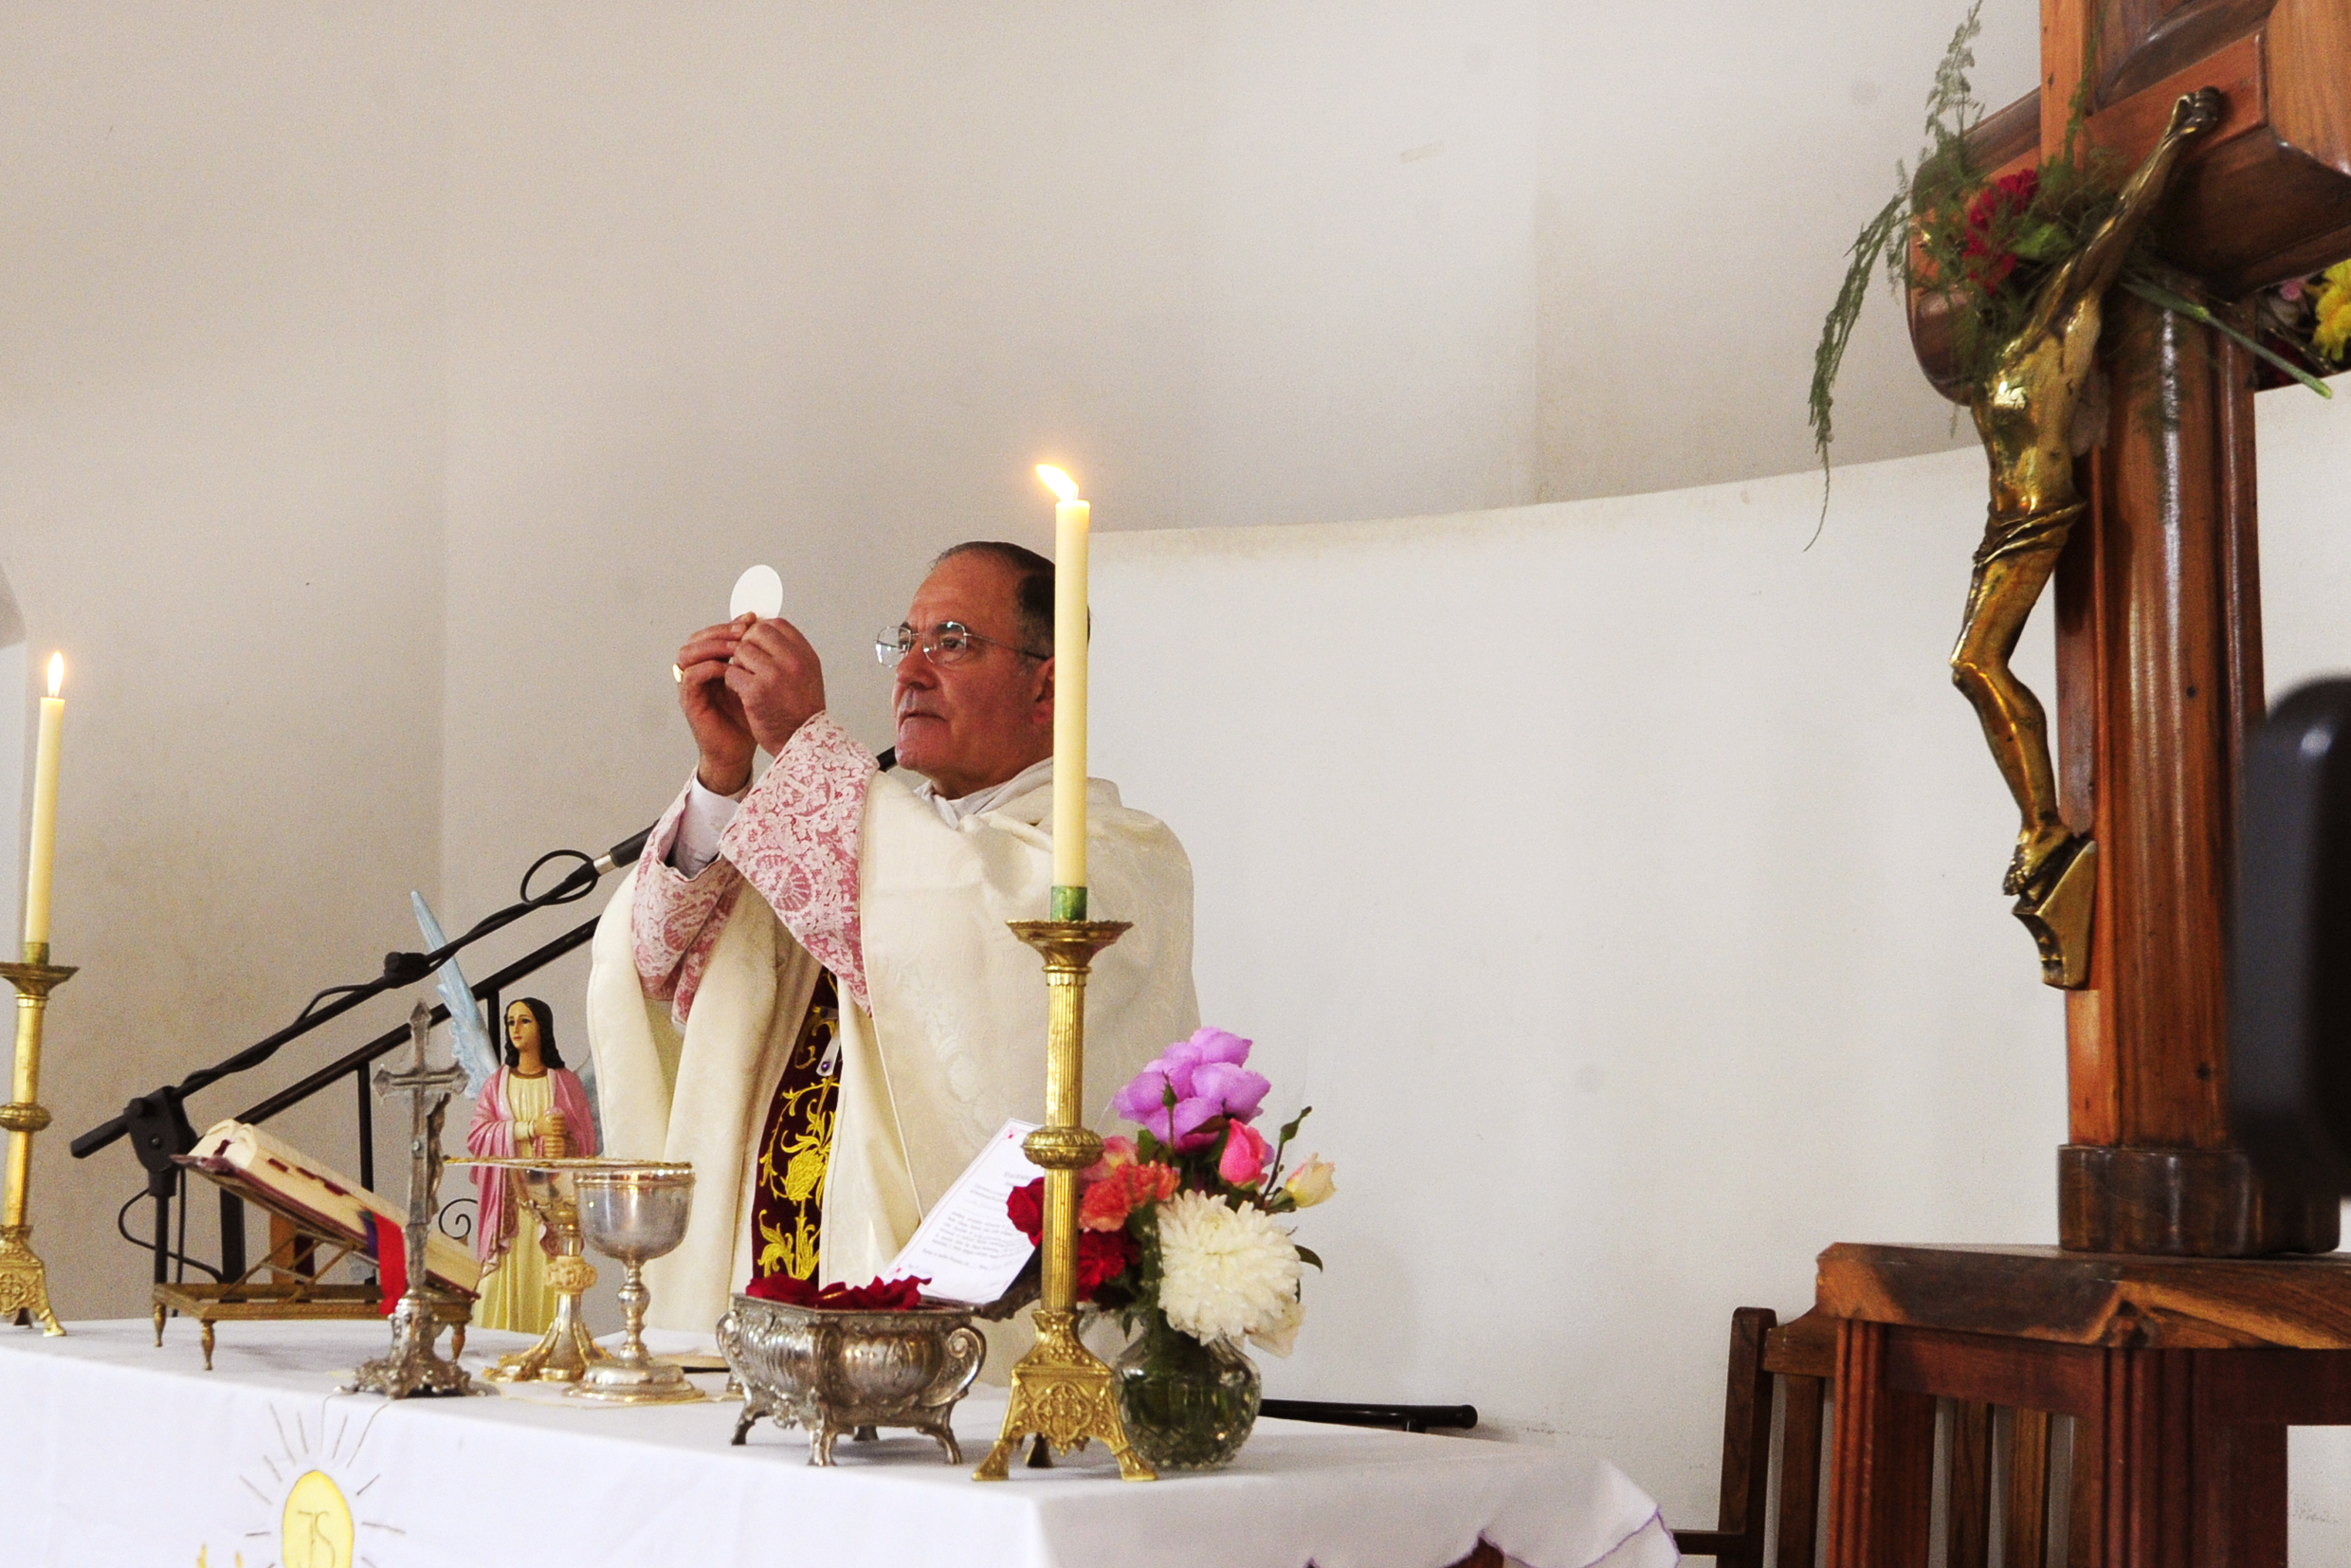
948	642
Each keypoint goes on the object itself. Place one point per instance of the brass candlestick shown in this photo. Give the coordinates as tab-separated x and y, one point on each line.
1061	1389
24	1280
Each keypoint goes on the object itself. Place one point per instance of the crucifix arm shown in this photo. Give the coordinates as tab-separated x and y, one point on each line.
2092	271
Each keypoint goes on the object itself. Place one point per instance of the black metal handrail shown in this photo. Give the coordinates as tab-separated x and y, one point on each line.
157	1124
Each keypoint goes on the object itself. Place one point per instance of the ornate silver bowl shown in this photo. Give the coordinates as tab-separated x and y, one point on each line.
834	1371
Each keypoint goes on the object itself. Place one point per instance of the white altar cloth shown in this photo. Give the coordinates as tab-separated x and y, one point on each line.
120	1453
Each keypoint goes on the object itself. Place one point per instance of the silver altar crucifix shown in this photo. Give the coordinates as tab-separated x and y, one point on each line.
412	1366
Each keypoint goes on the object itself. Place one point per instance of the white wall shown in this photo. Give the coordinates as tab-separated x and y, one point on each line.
221	423
1619	881
16	727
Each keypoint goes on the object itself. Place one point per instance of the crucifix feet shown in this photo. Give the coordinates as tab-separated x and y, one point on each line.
2055	899
2042	849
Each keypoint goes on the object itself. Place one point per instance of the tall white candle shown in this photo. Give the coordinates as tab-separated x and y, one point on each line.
40	862
1072	519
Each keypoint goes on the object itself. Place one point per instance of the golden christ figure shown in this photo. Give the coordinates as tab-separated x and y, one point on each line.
2024	410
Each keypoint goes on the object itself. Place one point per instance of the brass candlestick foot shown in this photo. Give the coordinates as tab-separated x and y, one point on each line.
1061	1392
24	1279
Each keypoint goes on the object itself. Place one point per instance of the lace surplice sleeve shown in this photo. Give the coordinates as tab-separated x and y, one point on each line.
675	919
796	841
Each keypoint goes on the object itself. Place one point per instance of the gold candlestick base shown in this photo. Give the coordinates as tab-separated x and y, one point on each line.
24	1279
1061	1392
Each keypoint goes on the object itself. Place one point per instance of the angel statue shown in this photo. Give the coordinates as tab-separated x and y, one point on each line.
531	1105
2024	407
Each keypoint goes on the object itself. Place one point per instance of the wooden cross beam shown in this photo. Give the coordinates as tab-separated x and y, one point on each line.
2159	606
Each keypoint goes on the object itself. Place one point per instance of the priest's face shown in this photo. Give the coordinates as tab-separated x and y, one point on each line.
975	723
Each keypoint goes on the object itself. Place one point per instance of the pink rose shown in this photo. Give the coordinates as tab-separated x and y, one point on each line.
1115	1152
1243	1159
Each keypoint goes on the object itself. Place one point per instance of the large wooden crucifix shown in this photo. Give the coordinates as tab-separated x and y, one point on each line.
2172	1324
2158	610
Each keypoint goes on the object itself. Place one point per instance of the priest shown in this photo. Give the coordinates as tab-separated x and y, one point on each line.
807	986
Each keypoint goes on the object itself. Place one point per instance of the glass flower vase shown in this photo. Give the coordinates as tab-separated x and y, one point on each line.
1186	1406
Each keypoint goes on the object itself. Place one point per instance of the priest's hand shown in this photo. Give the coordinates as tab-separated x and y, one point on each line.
778	681
713	712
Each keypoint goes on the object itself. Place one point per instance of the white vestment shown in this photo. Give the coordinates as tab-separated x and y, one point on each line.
955	1042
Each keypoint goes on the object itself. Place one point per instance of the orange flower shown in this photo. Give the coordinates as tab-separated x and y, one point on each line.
1108	1202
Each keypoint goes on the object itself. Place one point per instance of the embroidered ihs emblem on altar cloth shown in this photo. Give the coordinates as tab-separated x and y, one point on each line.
301	1495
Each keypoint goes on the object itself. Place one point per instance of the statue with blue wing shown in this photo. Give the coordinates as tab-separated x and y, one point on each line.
526	1101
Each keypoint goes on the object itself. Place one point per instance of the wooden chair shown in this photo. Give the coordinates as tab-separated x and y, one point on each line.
1796	1361
1763	1353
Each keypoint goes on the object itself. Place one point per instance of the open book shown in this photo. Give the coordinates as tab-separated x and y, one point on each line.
316	1196
967	1246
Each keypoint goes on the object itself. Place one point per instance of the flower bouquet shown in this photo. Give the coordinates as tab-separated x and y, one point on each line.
1981	241
1178	1236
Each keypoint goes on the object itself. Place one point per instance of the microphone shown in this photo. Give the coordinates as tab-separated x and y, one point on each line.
623	854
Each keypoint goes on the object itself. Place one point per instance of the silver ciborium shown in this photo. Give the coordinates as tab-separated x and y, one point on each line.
634	1212
833	1370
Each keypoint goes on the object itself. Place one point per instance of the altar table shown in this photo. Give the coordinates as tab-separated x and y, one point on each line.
120	1453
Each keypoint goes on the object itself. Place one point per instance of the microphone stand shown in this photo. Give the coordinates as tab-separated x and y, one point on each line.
159	1127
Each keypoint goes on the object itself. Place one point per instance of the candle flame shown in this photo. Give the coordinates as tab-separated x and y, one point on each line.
57	673
1057	482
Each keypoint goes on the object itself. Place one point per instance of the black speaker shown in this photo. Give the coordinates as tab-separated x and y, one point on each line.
2290	968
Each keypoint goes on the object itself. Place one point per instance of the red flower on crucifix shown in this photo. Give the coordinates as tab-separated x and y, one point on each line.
1992	216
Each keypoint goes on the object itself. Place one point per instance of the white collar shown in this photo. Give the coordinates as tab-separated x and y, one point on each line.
1035	776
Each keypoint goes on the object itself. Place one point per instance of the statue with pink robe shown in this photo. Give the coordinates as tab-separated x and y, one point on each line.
531	1105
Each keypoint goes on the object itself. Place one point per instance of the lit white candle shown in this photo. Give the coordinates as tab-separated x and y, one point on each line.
1072	520
40	862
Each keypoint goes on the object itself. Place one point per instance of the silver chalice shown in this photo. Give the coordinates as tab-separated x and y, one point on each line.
634	1212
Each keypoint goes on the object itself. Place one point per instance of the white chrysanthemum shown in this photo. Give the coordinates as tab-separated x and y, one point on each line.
1226	1271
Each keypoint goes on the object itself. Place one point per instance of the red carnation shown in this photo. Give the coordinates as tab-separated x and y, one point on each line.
1103	1256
